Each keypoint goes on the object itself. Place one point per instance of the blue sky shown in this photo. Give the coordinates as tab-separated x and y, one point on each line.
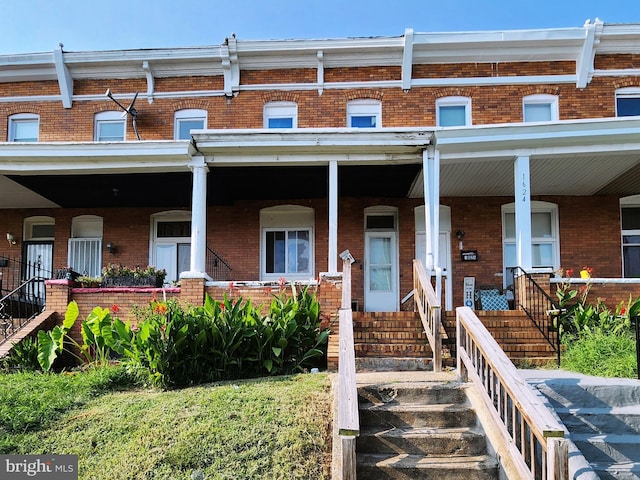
28	26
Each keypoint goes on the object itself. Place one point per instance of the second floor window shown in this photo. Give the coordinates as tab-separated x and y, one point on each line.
280	115
453	111
23	127
187	120
364	114
109	127
627	102
540	108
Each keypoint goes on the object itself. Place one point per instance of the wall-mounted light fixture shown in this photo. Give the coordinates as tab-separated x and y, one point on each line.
460	236
111	248
11	239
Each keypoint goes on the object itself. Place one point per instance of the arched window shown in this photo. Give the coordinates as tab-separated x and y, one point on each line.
453	111
280	115
24	127
187	120
627	102
109	127
365	113
287	242
540	108
85	245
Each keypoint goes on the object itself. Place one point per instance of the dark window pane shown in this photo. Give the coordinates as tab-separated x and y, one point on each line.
381	221
275	254
631	218
43	231
174	229
631	261
628	106
631	239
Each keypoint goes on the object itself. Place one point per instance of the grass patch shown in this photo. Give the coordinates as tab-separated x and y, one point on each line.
268	428
602	355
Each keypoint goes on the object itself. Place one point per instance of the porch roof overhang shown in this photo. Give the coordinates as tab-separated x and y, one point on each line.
94	157
571	157
312	146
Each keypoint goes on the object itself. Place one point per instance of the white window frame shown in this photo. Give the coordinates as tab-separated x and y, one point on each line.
188	114
365	108
31	222
86	240
154	240
281	109
286	218
627	202
22	118
627	92
541	99
553	240
111	116
454	101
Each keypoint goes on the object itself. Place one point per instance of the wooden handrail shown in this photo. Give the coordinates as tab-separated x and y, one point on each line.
429	308
534	436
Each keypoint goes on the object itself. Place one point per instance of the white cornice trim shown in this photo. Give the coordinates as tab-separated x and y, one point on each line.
407	60
481	81
150	81
621	72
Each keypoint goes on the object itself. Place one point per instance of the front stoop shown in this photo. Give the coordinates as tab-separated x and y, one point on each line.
420	430
602	416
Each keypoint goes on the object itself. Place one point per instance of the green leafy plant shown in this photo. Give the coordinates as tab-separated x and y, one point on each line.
87	281
23	356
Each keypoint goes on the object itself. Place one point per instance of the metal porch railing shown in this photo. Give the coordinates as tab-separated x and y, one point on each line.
539	307
18	307
217	267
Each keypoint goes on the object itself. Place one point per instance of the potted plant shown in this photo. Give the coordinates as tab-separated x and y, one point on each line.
89	282
114	275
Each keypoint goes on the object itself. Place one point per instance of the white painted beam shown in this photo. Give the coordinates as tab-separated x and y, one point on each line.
407	60
333	217
522	188
65	80
320	78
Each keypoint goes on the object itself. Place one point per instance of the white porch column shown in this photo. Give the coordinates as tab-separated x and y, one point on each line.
199	216
522	189
431	177
333	216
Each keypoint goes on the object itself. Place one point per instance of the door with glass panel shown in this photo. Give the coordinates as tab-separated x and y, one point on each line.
381	272
172	244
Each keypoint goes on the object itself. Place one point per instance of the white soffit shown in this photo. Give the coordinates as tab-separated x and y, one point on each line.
14	195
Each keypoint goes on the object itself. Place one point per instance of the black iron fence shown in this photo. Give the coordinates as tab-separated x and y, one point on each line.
22	293
538	306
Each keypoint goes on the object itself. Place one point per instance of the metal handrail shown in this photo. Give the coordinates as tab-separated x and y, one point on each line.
539	307
534	437
8	316
217	267
430	310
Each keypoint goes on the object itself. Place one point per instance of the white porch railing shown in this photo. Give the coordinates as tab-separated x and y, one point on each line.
348	416
429	308
533	436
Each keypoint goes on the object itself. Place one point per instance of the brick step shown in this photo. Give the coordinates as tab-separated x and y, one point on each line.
417	467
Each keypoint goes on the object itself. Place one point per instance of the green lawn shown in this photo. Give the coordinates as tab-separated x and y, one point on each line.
271	428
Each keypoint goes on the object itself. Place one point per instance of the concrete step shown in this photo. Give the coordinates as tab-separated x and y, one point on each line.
392	350
609	448
408	392
418	416
588	393
616	471
422	441
603	420
417	467
393	364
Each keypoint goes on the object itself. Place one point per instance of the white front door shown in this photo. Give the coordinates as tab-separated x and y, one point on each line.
381	272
